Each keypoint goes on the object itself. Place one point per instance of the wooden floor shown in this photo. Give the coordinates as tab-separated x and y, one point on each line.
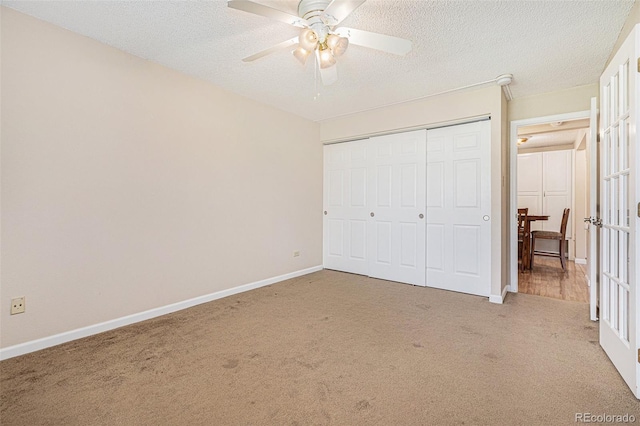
548	279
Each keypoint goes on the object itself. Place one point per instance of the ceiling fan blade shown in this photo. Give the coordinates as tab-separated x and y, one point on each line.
259	9
272	49
389	44
338	10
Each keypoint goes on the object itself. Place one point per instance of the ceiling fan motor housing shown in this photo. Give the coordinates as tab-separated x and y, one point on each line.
311	8
311	11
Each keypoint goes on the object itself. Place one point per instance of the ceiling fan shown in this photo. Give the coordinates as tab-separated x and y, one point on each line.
320	34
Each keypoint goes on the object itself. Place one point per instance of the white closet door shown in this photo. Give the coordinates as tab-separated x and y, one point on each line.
396	227
557	189
345	207
459	208
530	184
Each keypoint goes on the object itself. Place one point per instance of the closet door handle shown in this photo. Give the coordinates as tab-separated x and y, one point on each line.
421	216
372	214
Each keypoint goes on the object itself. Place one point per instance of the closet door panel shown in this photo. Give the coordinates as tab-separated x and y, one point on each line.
530	173
346	178
557	164
545	188
557	188
459	208
397	199
530	191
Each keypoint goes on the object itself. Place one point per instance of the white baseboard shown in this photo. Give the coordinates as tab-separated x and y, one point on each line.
499	299
67	336
580	261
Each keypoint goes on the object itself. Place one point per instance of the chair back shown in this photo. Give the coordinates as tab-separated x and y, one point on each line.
522	218
563	225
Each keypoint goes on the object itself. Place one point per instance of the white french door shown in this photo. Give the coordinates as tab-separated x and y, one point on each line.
459	207
345	207
397	207
620	208
592	241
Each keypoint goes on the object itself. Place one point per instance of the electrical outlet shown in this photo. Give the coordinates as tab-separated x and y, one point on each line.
296	253
17	305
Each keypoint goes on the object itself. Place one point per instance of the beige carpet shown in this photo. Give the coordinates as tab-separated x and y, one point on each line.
328	348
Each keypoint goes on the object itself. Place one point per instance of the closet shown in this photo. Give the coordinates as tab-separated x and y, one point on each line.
545	187
412	207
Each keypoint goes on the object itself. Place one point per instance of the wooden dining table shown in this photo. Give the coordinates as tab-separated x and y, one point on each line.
527	254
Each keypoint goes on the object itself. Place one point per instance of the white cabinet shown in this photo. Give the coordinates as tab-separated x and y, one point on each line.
545	183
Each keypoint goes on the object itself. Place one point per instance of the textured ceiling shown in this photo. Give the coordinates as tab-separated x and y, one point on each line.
546	45
543	140
528	131
553	134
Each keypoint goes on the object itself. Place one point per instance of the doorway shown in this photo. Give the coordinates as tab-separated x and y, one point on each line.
558	143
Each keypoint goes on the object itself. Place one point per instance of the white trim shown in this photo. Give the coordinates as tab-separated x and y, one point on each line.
572	217
580	261
500	299
429	126
513	184
67	336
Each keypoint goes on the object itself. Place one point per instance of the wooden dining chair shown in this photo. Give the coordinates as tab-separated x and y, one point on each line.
552	235
523	238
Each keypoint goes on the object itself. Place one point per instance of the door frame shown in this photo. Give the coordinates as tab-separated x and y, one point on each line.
513	183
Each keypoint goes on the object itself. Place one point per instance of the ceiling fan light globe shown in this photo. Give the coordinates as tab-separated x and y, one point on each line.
332	41
341	46
326	59
301	55
308	39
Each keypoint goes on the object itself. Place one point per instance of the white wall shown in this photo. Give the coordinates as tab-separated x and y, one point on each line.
551	103
445	109
128	186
